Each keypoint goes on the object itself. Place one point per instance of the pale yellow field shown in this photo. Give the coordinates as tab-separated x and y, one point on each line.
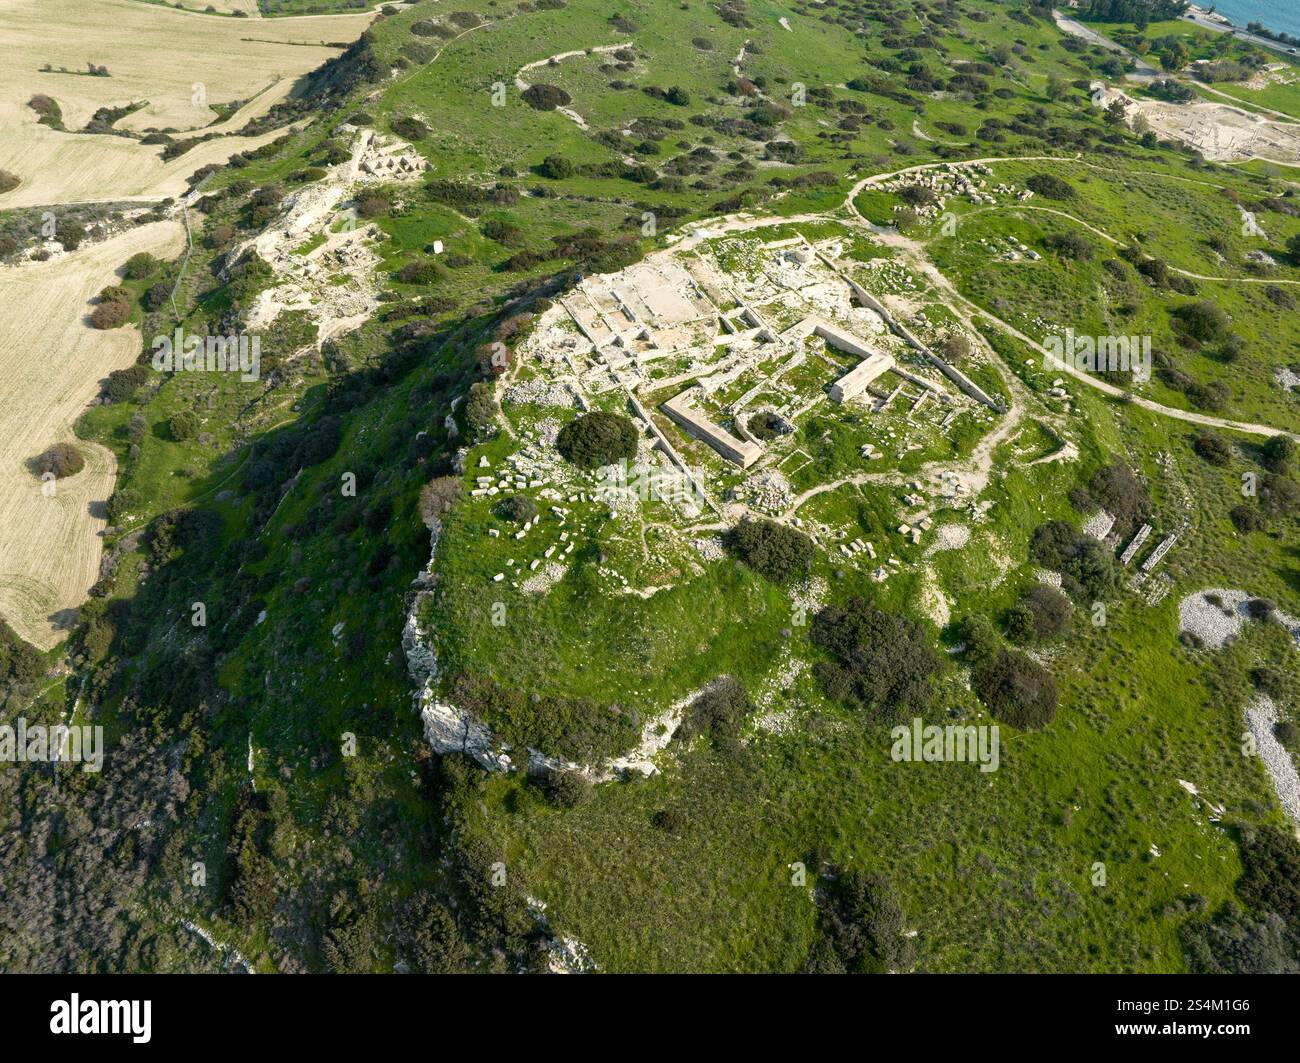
157	54
223	7
51	363
64	168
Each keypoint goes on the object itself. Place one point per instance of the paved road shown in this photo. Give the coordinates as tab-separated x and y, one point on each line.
1078	29
1219	27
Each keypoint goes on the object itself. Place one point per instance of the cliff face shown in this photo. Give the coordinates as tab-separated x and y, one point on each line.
449	729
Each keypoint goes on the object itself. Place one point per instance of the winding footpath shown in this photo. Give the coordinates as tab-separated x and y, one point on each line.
914	253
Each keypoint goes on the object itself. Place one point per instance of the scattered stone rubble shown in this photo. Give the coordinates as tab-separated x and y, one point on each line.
1216	616
1261	717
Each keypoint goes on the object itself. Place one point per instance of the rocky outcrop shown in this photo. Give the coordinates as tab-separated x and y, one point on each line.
449	729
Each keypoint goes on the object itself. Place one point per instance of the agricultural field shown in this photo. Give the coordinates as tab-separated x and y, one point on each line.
159	87
638	414
53	362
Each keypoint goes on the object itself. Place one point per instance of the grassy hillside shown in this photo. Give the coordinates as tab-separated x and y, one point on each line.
275	745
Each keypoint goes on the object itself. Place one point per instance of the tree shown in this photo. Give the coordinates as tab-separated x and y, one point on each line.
1069	245
110	315
597	439
1293	248
373	204
719	711
979	638
956	347
438	497
69	232
557	167
433	944
1213	448
1236	943
1202	320
546	97
776	551
480	406
881	663
917	195
1248	518
567	789
1270	881
124	383
1116	488
1175	56
1049	185
863	924
140	265
410	128
1017	689
1278	453
1056	88
157	296
19	662
1042	613
184	425
1280	495
61	460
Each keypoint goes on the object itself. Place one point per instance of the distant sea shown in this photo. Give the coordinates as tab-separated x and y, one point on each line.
1280	16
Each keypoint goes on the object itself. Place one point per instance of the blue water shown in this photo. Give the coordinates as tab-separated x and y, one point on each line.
1281	16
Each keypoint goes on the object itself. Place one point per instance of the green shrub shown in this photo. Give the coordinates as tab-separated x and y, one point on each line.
481	406
124	383
557	167
881	663
410	128
1042	613
718	712
773	550
1050	186
597	439
863	930
184	425
141	265
567	789
19	662
517	508
157	296
1213	448
1279	452
1017	689
546	97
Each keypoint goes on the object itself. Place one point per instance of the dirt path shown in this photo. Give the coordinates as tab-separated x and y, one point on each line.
1244	103
1120	243
913	252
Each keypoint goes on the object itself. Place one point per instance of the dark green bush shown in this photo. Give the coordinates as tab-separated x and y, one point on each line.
597	439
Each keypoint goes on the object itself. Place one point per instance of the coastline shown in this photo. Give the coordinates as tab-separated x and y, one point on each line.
1215	19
